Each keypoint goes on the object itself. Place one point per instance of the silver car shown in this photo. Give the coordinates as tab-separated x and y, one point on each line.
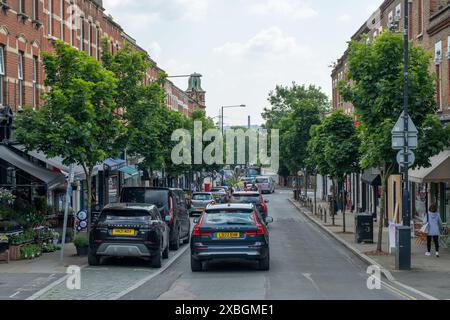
199	202
265	184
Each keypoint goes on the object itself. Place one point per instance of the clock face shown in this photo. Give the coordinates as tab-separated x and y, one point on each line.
82	215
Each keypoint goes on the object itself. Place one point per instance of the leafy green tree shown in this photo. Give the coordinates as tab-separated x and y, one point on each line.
78	121
333	150
142	105
374	85
294	110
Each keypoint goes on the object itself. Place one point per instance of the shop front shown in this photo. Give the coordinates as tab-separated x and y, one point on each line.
432	186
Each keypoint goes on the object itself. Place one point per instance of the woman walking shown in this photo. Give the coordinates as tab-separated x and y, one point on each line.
434	227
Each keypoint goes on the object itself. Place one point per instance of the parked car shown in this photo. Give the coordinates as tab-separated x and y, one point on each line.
265	184
172	206
252	197
220	195
231	231
199	202
129	230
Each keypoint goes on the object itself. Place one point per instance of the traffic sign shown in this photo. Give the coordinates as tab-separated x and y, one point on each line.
401	158
398	134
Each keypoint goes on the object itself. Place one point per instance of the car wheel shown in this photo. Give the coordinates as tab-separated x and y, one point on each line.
196	266
93	259
156	261
176	244
165	254
264	264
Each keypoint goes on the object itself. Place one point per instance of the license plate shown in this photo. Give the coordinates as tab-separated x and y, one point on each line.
123	232
228	235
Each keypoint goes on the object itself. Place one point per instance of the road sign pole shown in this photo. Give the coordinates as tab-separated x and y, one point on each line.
404	245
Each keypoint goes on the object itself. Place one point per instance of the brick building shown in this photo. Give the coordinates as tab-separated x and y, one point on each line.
429	26
30	27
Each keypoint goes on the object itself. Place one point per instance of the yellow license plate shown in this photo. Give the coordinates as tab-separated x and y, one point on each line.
228	235
123	232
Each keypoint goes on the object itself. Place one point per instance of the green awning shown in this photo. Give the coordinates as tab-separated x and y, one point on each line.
129	170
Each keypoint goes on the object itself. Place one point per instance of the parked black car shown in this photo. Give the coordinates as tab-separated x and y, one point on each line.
129	230
232	231
171	204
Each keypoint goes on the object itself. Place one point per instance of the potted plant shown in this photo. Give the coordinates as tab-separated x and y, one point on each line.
69	235
82	245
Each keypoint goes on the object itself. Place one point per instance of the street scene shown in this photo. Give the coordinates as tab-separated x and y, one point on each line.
259	161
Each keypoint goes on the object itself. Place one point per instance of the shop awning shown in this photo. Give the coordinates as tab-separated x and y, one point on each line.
115	164
438	172
371	177
129	170
50	178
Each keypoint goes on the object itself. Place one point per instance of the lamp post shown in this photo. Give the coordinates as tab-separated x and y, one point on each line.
229	107
403	261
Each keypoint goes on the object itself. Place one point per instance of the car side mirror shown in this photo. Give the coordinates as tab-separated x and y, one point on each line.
269	220
196	220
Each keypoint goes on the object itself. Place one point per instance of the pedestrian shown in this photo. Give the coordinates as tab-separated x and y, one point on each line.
433	228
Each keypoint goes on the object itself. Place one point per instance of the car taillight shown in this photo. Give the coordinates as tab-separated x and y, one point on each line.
197	232
263	207
260	230
171	211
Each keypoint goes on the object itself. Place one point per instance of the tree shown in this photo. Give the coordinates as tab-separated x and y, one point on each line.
77	121
374	85
294	110
142	105
334	150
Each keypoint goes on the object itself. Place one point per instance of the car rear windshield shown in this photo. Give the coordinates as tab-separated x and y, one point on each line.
221	217
262	180
202	197
246	199
123	214
156	197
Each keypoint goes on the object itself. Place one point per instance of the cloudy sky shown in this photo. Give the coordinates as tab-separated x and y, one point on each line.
243	48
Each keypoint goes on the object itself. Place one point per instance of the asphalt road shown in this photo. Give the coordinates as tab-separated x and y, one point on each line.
305	264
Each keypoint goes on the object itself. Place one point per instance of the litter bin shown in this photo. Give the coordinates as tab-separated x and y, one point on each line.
364	228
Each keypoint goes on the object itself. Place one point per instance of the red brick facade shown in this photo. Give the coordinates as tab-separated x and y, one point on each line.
27	31
429	27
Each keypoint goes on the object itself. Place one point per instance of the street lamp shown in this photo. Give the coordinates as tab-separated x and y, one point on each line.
229	107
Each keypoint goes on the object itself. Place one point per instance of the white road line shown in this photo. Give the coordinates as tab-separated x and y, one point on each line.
150	277
15	294
51	286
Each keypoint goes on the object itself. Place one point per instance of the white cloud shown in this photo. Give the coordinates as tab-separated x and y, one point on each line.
296	9
192	10
344	18
271	42
154	49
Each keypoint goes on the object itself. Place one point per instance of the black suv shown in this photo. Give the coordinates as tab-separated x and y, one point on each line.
129	230
171	204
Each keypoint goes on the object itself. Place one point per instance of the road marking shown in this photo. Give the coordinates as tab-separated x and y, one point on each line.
365	258
398	291
150	277
51	286
15	294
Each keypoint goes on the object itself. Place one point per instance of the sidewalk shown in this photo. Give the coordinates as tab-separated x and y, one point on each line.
21	279
430	275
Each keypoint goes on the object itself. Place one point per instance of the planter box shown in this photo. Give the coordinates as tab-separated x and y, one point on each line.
14	252
82	251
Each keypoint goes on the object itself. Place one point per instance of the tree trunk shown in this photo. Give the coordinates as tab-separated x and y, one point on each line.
343	205
89	198
333	207
385	173
315	196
